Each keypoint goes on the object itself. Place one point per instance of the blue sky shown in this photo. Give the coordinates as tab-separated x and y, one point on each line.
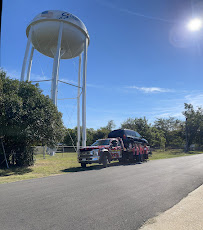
142	61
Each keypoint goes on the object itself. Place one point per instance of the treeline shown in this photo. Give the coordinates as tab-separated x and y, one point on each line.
163	133
27	118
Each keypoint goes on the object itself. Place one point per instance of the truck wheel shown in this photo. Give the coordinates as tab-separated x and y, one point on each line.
124	159
120	160
104	161
132	161
109	158
83	165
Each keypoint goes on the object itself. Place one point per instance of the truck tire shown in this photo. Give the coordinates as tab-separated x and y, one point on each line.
83	165
124	158
120	160
109	158
104	161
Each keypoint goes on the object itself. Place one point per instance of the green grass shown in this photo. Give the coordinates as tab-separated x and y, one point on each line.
51	165
161	154
65	163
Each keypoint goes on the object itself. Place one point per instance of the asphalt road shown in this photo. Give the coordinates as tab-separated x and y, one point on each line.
118	197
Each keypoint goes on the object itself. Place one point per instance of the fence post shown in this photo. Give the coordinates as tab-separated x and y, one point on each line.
44	152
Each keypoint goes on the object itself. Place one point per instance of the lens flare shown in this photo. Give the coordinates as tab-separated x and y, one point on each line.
195	24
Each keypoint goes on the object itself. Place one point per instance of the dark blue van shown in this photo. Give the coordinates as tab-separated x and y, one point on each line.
127	136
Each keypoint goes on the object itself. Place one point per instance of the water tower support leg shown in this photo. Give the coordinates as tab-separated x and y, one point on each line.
55	71
30	64
84	95
26	55
78	105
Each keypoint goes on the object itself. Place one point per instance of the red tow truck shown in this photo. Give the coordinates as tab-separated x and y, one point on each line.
120	145
102	152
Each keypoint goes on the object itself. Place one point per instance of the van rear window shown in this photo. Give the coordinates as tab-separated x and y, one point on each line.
131	133
116	133
120	133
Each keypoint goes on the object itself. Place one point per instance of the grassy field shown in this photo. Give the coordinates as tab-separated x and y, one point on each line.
51	165
66	163
160	154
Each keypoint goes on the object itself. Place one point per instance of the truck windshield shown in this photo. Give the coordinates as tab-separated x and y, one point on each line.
101	142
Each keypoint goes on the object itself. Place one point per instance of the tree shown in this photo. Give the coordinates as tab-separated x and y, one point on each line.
172	129
165	132
193	126
104	131
110	126
157	138
70	138
92	135
140	125
27	118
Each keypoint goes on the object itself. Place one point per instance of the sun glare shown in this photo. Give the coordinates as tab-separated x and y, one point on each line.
195	24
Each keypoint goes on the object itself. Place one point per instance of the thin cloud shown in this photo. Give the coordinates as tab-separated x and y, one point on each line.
174	111
36	77
171	114
195	100
150	89
13	74
95	86
76	83
17	75
127	11
68	80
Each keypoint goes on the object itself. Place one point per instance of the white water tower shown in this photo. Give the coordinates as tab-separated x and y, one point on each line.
59	35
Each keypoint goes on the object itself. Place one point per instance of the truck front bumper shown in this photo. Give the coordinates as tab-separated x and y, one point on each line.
88	160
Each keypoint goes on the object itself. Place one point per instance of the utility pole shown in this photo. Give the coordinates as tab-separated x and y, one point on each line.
186	137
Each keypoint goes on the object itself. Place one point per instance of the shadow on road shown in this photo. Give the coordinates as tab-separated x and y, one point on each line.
94	167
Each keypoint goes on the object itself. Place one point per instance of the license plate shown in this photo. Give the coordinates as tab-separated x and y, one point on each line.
83	159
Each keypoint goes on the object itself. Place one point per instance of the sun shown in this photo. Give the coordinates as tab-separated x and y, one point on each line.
195	24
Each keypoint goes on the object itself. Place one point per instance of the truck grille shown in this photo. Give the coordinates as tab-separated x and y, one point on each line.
87	158
85	154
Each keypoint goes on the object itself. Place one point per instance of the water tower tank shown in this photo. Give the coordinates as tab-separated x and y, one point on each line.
45	30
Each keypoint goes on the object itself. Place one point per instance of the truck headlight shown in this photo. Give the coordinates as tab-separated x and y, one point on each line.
96	151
